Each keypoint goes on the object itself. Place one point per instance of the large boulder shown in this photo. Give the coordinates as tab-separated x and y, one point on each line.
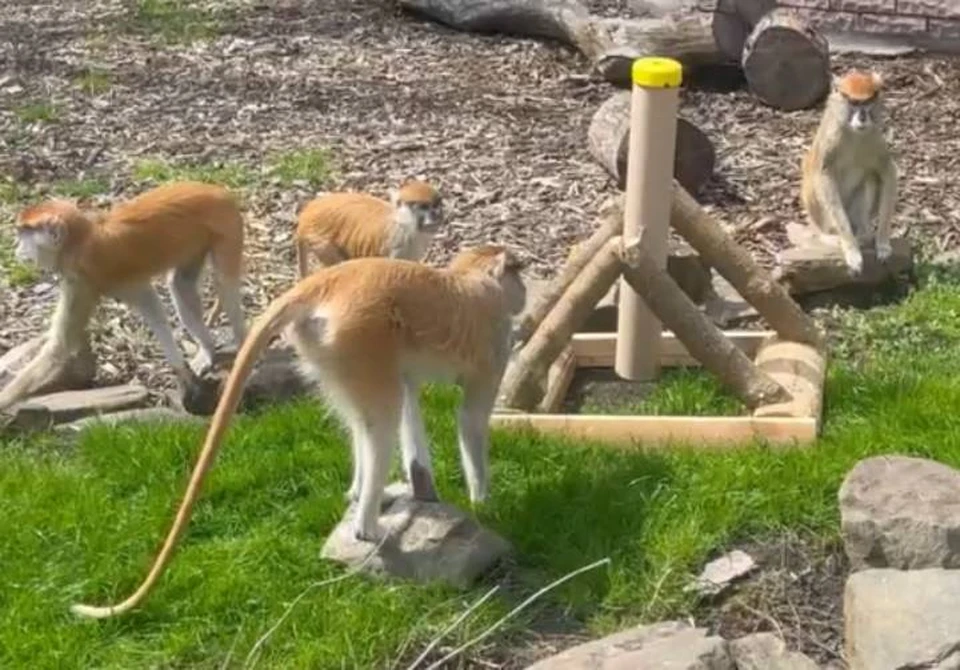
427	541
901	512
903	620
669	644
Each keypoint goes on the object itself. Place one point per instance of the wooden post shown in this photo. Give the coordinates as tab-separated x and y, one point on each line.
653	130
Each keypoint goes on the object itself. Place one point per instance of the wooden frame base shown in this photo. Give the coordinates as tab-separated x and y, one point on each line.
597	350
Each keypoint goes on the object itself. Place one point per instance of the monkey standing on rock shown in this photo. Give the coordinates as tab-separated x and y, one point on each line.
849	178
372	331
173	228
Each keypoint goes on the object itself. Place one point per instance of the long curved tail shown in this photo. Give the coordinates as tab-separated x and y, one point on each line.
280	312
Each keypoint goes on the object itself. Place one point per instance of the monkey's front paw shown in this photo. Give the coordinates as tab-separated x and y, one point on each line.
854	260
884	250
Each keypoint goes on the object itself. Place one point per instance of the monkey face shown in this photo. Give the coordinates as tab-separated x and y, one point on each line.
424	217
860	116
40	244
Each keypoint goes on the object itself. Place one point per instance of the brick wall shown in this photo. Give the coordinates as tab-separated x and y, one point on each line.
936	20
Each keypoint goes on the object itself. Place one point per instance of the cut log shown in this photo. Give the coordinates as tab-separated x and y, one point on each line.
736	265
699	336
687	38
786	62
611	224
815	266
608	139
799	368
525	377
566	21
734	20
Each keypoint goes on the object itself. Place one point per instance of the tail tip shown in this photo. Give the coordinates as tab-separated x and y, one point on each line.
92	612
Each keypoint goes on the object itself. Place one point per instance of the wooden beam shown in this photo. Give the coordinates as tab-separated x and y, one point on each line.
598	350
558	381
625	431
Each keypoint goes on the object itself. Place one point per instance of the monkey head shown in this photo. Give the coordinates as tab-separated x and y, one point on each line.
42	231
499	263
418	206
859	94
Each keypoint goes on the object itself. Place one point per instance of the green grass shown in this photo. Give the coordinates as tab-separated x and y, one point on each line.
94	81
309	166
81	524
234	175
37	112
679	392
176	22
80	188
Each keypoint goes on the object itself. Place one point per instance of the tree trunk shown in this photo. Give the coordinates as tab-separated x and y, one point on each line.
566	21
609	137
523	382
786	62
699	336
733	20
611	224
813	266
736	265
686	38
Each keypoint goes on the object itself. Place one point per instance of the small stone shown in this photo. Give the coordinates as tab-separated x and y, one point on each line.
427	541
903	619
766	651
669	644
901	512
719	573
45	411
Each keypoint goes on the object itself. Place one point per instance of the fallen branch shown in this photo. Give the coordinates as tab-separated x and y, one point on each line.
737	266
699	335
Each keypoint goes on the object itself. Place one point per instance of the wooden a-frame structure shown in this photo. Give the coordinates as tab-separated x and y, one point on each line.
778	374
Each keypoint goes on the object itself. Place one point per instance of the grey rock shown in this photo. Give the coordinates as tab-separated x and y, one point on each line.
140	415
724	305
903	619
45	411
427	541
275	378
721	572
78	372
901	512
669	644
766	651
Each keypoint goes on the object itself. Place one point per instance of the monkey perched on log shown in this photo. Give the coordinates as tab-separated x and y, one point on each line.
338	226
171	229
372	330
849	186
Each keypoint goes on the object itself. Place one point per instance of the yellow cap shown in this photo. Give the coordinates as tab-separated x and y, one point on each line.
657	72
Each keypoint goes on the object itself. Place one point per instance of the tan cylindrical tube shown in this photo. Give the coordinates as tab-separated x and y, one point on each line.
649	194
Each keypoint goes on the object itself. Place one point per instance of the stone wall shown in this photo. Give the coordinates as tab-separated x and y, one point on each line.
936	22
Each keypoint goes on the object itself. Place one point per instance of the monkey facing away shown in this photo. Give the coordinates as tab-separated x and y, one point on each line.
339	226
170	229
849	185
371	331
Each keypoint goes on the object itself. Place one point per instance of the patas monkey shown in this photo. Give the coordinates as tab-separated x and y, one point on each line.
338	226
849	178
372	330
172	228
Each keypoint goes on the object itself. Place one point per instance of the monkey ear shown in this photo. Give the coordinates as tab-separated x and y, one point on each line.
394	197
507	261
877	79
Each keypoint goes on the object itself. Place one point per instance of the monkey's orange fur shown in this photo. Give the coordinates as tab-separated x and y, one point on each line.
166	227
859	86
338	226
362	325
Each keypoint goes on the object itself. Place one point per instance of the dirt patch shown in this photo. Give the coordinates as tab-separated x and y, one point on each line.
796	592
